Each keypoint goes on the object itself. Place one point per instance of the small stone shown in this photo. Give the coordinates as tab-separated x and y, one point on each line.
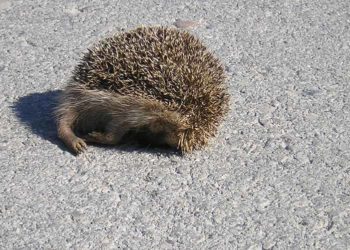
4	4
187	24
255	247
72	10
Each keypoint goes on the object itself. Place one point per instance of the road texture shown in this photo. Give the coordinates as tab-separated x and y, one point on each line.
276	177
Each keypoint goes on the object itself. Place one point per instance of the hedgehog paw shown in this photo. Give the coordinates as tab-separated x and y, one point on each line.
94	137
78	145
103	138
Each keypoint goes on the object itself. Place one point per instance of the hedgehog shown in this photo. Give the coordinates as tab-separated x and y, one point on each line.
158	84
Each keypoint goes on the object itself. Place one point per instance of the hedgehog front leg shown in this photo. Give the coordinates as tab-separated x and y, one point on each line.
66	134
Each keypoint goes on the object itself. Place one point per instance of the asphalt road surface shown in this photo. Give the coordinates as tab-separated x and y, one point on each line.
276	177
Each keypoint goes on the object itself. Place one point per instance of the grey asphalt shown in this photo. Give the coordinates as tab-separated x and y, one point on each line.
276	177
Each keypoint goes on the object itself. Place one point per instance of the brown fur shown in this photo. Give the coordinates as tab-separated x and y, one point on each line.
105	117
158	81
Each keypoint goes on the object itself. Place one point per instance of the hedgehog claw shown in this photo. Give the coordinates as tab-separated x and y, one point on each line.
79	145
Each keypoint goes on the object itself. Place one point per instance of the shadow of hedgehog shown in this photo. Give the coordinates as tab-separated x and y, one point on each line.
161	84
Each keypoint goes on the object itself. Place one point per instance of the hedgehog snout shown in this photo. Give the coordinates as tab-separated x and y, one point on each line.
147	135
167	128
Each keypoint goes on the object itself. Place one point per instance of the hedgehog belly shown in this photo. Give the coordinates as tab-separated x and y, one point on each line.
167	65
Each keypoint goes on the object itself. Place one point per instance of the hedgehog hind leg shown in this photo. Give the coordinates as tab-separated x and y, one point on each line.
106	138
113	134
66	133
